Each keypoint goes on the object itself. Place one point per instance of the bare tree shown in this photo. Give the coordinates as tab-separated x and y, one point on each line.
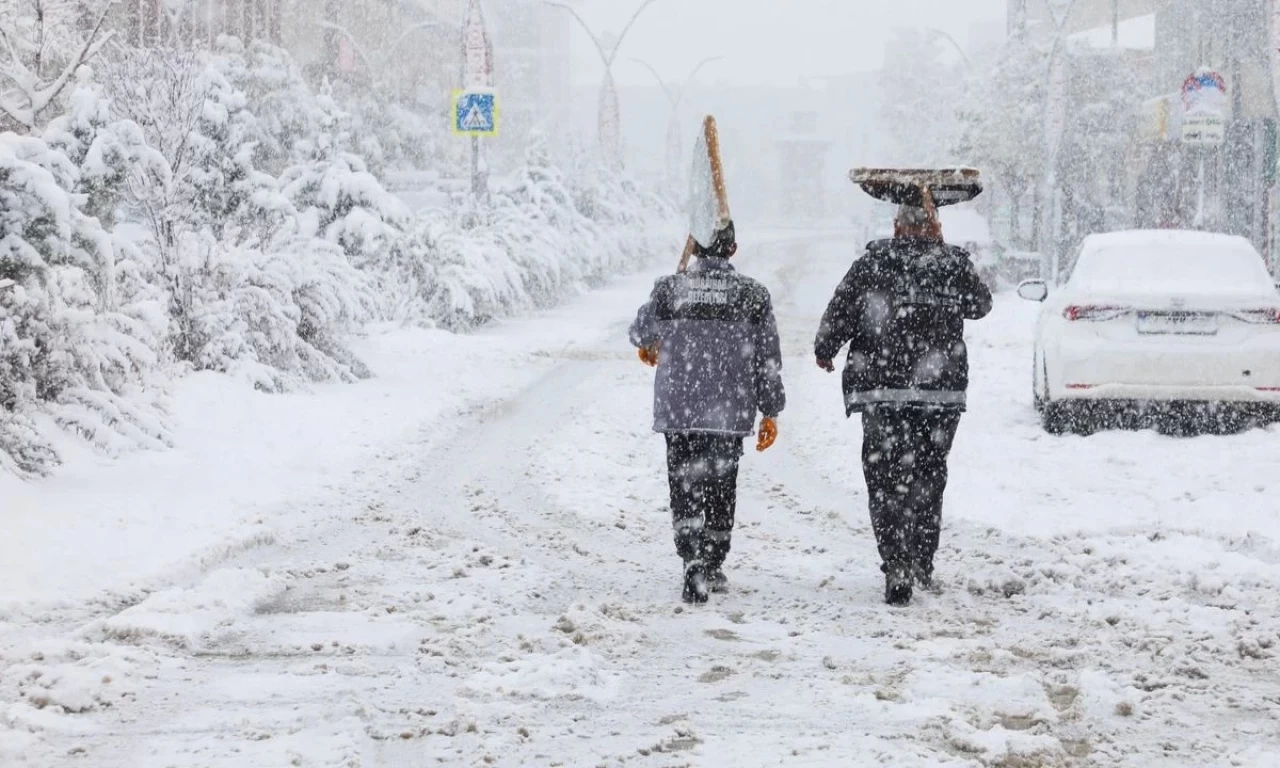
29	91
164	93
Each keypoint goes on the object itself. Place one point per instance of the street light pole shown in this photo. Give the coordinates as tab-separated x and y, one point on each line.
1056	107
968	63
609	117
675	147
477	72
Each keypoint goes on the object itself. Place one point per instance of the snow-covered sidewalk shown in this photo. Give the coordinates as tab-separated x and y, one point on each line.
249	465
468	561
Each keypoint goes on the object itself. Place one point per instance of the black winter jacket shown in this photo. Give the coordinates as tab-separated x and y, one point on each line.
901	308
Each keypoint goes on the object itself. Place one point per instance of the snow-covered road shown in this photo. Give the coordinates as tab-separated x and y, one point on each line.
498	587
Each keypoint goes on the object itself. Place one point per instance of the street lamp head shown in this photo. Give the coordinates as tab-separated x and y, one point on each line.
609	41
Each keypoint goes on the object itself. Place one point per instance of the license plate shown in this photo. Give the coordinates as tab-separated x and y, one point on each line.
1178	323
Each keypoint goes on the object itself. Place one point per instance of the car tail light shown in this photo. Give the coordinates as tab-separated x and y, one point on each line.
1259	316
1093	313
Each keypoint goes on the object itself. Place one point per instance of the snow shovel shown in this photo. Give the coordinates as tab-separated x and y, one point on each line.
708	204
708	200
929	188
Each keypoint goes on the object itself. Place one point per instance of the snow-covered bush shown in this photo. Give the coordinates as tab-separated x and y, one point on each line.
339	201
285	106
202	125
252	285
209	211
274	317
536	240
67	352
105	150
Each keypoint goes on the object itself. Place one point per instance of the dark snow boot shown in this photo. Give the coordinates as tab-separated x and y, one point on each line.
696	588
717	581
922	575
897	586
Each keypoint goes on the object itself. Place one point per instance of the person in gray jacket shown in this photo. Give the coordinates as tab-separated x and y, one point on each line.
713	337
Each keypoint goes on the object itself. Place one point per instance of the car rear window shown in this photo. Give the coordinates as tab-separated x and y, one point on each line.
1170	267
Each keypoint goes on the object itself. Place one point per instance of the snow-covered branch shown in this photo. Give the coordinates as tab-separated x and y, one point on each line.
31	95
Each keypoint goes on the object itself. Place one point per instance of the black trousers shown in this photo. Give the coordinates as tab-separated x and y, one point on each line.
904	461
702	470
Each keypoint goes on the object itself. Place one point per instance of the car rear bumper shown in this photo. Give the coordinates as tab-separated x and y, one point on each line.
1165	369
1168	393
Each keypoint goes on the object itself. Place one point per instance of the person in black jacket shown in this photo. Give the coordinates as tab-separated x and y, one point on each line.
901	308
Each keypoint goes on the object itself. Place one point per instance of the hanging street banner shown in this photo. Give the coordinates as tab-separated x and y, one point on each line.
1205	106
477	49
475	112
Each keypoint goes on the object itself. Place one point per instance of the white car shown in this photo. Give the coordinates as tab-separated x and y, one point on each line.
1160	318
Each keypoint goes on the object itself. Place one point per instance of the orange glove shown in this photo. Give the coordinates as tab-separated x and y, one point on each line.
768	434
649	356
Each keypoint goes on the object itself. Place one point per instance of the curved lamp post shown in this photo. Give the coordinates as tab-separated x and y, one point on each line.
609	116
675	146
968	63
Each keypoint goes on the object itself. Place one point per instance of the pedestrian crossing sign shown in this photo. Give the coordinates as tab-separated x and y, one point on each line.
475	112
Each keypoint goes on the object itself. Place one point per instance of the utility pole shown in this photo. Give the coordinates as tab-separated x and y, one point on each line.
1115	23
1056	113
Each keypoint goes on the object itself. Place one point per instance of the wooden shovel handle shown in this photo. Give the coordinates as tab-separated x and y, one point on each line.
685	257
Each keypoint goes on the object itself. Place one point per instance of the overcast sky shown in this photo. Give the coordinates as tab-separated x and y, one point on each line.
764	41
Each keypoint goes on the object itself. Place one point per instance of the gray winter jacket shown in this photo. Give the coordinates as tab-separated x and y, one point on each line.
720	360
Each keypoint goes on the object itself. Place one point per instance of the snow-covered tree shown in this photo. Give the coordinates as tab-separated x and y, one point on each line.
337	196
251	284
921	95
1003	123
209	211
42	45
274	317
104	149
273	84
65	353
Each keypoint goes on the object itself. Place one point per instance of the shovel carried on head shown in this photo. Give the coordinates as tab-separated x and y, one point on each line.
927	188
708	198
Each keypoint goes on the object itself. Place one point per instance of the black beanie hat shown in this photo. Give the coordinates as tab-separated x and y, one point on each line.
722	246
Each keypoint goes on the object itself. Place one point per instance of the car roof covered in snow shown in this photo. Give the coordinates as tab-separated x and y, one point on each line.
1145	238
1170	261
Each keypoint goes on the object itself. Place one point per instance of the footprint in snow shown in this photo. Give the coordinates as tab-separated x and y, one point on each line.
716	674
727	635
